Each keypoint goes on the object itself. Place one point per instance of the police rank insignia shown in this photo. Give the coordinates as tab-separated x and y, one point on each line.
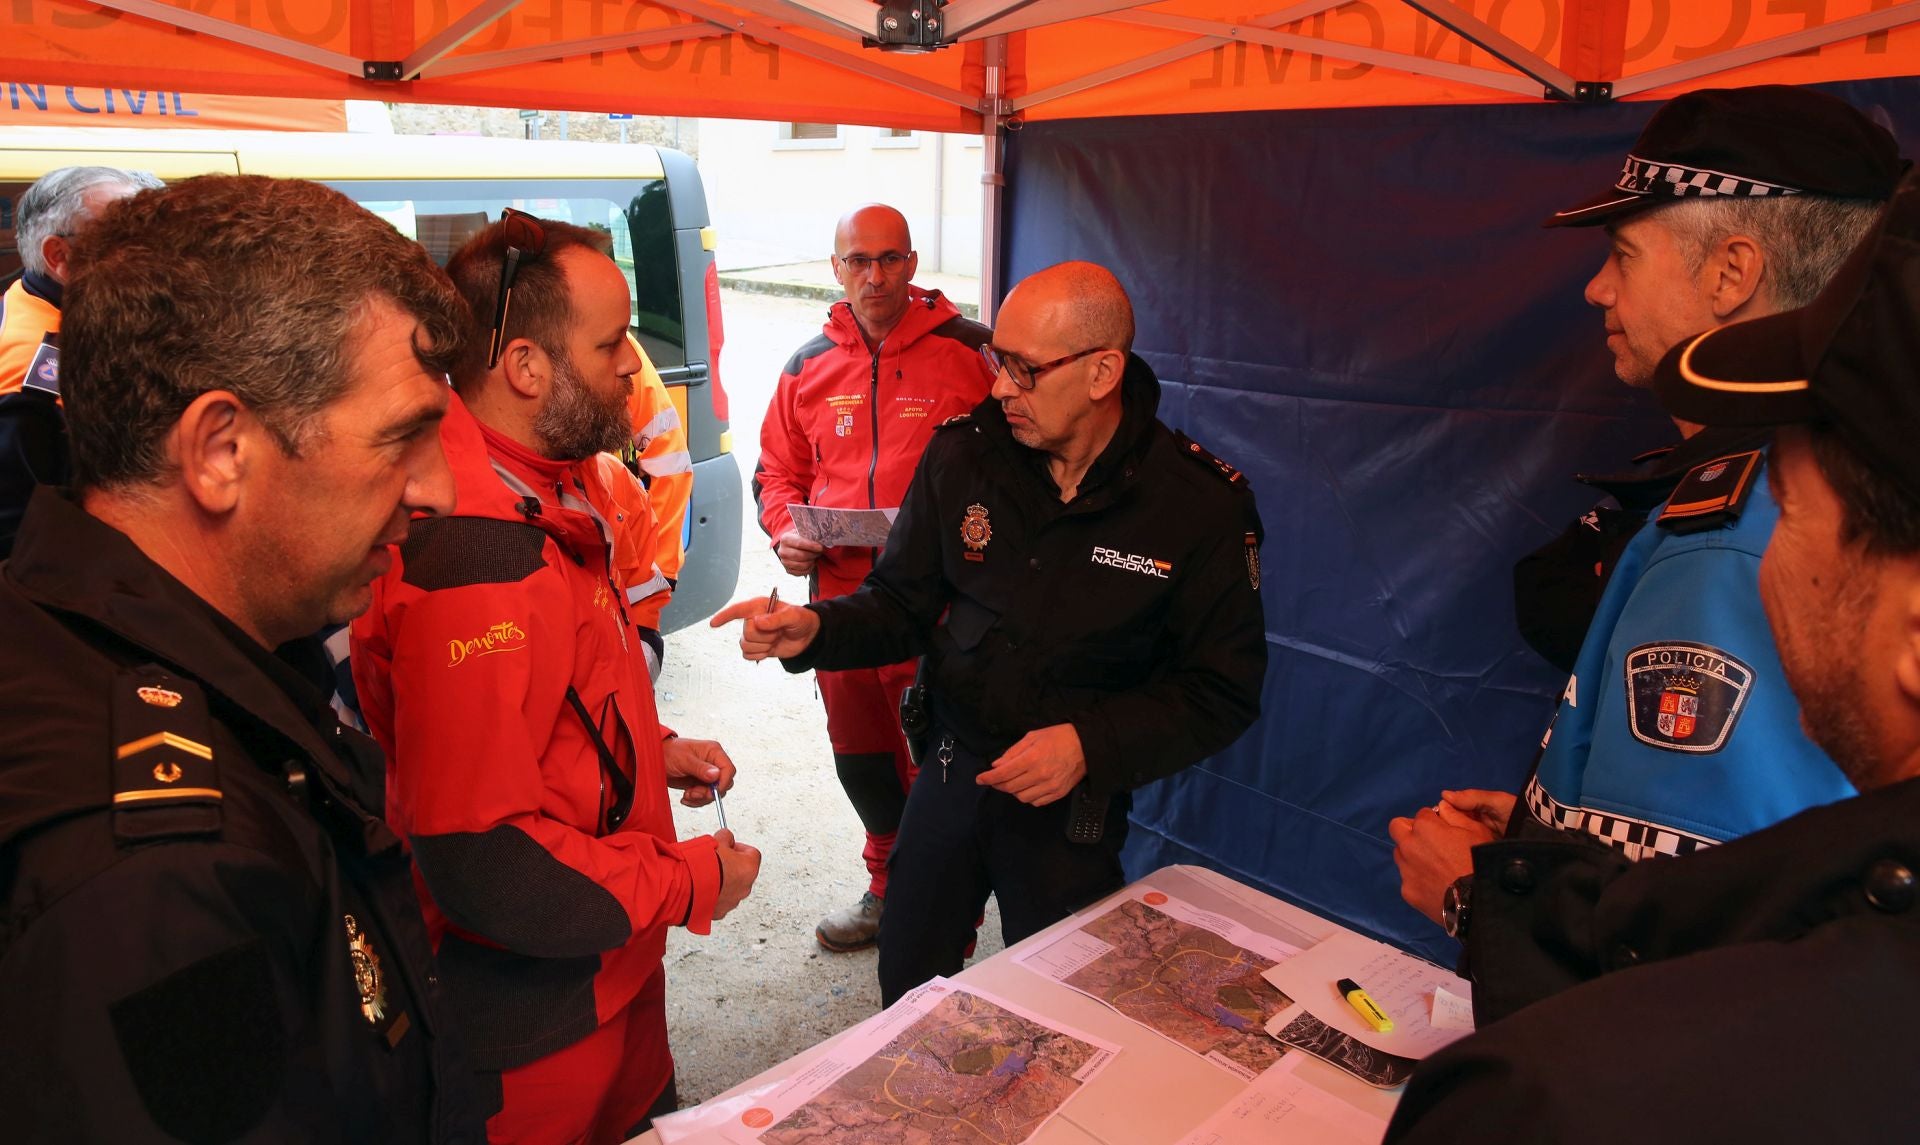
1684	697
1253	561
165	778
975	532
159	697
1712	493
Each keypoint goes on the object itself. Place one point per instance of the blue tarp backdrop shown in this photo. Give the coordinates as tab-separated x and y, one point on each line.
1359	309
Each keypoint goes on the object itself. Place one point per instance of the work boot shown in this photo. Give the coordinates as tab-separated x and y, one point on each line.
855	928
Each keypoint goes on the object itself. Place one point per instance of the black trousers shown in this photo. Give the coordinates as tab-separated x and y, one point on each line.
960	842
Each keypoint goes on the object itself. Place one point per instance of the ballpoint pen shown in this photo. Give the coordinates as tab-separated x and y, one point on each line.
773	602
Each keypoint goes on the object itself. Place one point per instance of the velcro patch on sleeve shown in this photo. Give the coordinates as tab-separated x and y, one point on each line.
205	1046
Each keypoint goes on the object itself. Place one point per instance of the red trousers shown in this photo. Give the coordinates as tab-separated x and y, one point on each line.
594	1090
863	724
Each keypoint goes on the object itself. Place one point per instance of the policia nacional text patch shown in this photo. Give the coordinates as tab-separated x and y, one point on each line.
1683	696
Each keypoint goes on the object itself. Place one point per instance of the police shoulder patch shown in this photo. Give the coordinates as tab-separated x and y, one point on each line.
958	419
1683	696
1194	451
163	756
1713	493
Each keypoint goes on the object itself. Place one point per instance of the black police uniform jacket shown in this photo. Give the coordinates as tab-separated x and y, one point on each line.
208	934
1131	612
1760	990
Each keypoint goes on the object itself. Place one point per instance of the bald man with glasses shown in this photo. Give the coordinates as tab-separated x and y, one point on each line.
854	410
1084	584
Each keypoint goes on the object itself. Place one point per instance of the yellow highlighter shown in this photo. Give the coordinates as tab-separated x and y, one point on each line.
1365	1006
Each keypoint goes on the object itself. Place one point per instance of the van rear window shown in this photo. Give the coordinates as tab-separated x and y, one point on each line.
441	214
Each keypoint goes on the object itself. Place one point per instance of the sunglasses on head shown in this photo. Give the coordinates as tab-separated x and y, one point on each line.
526	238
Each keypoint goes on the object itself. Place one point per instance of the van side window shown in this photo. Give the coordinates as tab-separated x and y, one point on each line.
655	265
443	214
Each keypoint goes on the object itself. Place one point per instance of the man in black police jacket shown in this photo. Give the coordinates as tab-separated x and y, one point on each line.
1084	585
208	934
1762	990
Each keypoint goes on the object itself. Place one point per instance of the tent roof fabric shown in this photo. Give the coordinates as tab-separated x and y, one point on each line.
803	60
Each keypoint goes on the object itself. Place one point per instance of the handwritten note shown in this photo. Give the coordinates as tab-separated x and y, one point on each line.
1451	1011
1400	984
1280	1106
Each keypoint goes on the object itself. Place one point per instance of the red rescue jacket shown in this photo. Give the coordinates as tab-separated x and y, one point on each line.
548	875
847	426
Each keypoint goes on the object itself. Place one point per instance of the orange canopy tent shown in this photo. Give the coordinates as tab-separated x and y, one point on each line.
997	61
804	59
1032	58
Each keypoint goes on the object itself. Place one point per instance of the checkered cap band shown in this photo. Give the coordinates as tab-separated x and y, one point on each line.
1649	177
1635	838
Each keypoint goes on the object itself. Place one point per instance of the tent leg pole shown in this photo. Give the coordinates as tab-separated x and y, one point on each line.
993	178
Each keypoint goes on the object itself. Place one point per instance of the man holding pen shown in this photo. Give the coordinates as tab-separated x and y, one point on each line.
501	669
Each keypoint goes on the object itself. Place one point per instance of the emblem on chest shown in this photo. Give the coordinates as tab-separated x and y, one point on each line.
367	975
975	532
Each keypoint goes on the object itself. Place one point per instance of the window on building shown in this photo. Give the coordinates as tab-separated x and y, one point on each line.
807	136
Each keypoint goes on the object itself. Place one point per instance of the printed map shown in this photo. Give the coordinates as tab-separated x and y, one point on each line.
1185	982
967	1072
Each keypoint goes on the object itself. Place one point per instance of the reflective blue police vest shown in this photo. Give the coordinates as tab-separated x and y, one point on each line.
1677	730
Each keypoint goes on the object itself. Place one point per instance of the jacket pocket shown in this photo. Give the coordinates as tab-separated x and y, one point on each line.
969	621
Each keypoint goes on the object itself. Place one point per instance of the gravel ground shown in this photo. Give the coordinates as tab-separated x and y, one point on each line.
759	989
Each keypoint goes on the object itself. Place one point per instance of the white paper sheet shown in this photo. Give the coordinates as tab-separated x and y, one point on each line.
836	527
998	1067
1187	974
1280	1107
1398	983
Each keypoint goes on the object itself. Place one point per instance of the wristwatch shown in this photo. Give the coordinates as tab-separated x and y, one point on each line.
1455	906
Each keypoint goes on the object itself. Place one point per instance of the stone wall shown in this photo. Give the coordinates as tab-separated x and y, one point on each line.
505	123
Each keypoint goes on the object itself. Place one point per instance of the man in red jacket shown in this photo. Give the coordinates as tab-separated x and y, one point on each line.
852	414
500	668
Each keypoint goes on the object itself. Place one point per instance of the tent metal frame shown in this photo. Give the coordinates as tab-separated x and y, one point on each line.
989	22
986	20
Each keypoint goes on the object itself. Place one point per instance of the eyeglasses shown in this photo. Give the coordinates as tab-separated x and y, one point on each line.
890	262
526	238
1023	375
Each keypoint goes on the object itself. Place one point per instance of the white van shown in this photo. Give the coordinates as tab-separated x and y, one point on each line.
439	190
